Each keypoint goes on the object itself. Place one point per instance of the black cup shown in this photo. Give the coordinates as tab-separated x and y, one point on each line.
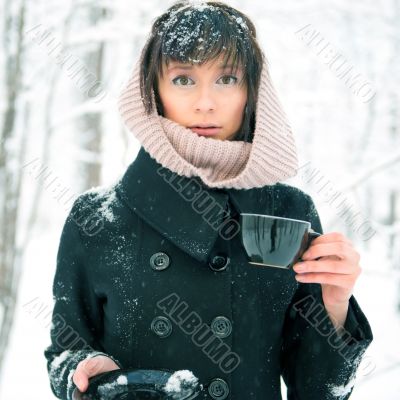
136	384
275	241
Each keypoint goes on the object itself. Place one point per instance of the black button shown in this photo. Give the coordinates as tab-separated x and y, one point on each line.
218	389
219	262
221	326
161	326
159	261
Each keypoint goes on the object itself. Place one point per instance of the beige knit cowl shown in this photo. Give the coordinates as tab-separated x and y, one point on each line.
270	158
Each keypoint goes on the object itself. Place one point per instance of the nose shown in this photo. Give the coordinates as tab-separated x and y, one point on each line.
205	100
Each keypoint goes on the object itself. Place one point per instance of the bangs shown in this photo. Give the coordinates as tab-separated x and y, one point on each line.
201	33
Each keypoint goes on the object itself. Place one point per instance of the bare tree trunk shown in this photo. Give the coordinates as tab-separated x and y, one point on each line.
90	125
11	154
393	201
394	99
48	128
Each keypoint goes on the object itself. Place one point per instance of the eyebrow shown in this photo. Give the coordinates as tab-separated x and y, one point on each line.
187	67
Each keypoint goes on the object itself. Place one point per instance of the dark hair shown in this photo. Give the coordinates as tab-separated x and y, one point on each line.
191	32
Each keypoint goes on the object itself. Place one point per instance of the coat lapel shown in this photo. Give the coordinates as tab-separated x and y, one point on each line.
182	209
166	202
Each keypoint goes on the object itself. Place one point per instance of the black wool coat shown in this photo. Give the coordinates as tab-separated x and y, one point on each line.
146	276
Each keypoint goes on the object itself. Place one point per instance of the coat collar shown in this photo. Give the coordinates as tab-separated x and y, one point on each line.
176	206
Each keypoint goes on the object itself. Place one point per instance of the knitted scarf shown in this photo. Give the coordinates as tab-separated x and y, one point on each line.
270	158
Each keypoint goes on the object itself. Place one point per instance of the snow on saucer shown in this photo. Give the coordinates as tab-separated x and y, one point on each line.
180	384
113	387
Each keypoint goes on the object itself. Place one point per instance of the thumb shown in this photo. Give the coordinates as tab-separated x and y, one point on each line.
85	370
81	381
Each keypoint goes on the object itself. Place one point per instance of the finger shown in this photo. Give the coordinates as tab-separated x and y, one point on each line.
86	369
331	237
344	281
81	381
328	266
92	366
343	250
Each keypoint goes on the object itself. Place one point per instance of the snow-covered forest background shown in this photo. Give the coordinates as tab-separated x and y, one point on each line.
335	65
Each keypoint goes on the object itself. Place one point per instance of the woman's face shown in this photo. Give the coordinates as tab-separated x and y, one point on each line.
198	96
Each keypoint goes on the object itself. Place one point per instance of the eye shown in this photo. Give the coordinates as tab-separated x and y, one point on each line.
184	80
230	77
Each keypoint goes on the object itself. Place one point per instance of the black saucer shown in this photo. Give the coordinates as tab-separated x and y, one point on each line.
136	384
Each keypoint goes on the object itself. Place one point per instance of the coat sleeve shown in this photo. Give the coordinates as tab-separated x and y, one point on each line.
77	314
317	362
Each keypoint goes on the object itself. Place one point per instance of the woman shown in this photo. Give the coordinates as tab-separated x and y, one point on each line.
147	276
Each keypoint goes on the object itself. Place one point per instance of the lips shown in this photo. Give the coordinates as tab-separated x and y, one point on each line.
205	125
206	129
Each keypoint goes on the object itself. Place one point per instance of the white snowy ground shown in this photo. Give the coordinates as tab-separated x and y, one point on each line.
25	372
